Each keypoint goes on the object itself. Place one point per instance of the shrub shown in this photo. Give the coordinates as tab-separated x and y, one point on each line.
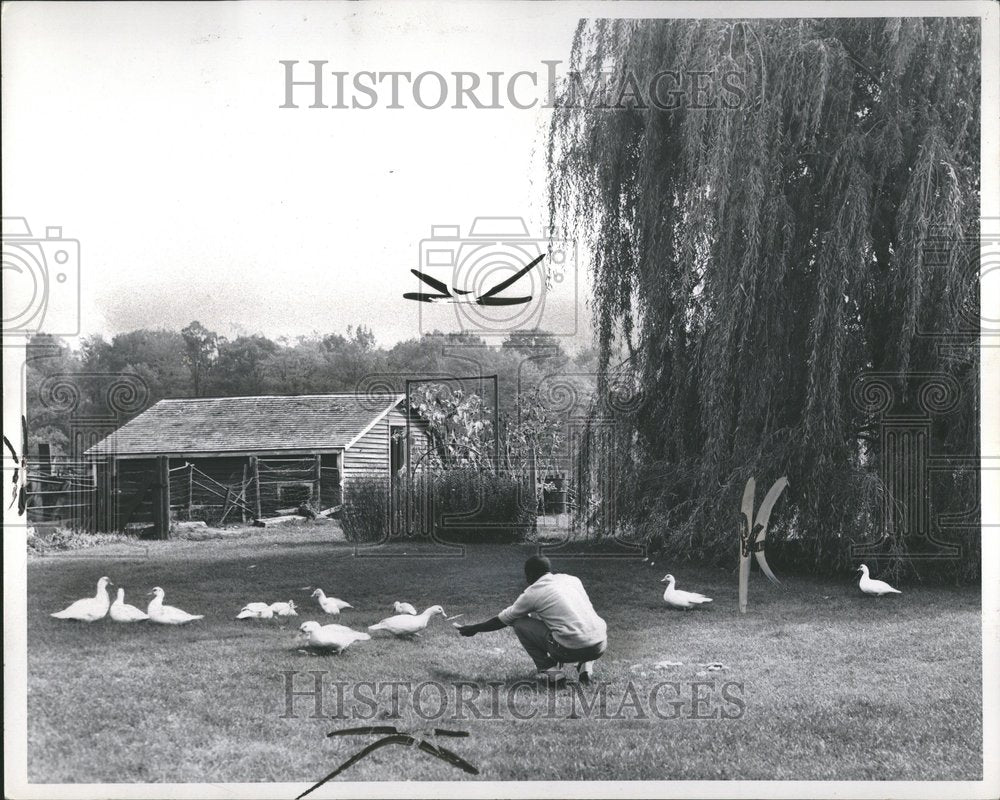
467	505
59	538
364	514
456	505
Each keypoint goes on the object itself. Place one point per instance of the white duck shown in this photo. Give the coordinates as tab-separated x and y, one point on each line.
89	609
331	605
255	611
407	625
123	612
680	599
404	608
874	587
331	637
284	609
167	615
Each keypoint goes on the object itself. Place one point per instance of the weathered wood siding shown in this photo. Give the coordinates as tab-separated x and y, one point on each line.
370	454
283	482
133	497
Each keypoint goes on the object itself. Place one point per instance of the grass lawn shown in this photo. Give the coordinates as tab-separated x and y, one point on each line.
835	685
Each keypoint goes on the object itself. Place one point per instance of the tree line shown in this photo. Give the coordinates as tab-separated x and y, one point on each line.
198	362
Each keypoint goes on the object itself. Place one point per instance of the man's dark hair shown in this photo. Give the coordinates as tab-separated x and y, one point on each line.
535	567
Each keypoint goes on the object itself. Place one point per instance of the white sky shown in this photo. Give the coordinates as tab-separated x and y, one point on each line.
152	133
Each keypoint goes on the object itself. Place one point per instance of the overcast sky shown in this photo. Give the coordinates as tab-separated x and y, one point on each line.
152	133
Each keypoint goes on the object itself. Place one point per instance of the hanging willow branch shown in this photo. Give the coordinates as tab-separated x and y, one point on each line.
762	256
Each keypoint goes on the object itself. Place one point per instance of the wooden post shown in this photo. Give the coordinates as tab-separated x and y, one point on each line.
190	489
44	459
242	497
112	499
533	479
256	484
225	506
94	499
161	502
318	481
101	500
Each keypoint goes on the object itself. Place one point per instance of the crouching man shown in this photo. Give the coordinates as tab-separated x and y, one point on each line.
554	621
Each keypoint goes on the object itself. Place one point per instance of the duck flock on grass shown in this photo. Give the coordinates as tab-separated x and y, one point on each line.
335	638
91	609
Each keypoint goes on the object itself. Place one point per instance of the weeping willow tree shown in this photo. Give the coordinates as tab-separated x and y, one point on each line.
759	242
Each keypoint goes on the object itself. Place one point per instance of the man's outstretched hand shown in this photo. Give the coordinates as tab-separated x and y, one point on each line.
492	624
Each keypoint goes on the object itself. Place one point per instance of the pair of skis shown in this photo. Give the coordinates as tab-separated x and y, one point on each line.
753	533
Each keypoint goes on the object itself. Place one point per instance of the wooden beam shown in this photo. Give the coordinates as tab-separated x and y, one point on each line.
256	485
113	494
243	491
226	505
94	512
267	523
318	480
299	453
227	496
161	499
533	479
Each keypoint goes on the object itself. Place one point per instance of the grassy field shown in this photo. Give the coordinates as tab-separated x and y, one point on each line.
834	685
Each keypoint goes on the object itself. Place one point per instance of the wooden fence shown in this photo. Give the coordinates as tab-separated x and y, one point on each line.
147	496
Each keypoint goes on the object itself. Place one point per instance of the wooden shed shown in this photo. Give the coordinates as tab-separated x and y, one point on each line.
223	459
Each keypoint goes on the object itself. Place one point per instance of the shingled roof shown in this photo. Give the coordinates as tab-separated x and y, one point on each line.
248	424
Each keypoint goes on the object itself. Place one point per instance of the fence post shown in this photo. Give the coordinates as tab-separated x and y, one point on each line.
243	496
94	509
533	480
318	481
113	498
256	484
161	504
101	497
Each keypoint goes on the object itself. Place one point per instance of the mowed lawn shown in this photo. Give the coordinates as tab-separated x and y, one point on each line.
834	685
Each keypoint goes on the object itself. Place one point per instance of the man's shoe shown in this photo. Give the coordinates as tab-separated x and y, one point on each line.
552	677
584	670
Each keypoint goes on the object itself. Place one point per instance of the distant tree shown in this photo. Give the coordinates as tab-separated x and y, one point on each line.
201	349
157	355
362	337
297	368
48	418
437	352
534	343
352	359
241	367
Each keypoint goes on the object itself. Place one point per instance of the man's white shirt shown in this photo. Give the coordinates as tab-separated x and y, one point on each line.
561	603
